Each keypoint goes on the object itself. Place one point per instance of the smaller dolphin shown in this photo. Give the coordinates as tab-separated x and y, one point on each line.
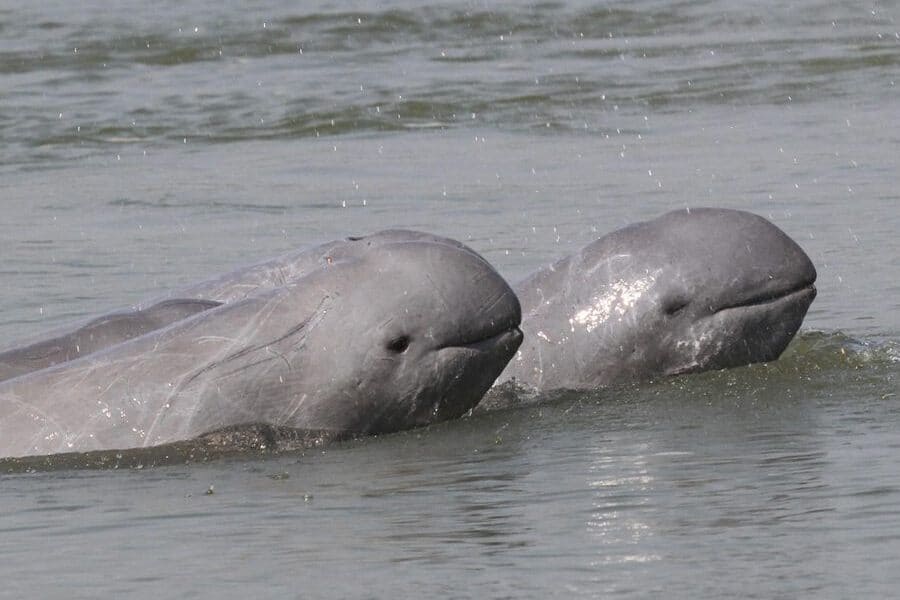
692	290
375	338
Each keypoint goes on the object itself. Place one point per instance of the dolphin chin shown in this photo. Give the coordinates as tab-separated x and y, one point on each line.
758	330
474	369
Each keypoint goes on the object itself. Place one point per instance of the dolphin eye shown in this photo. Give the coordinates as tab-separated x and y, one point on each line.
673	306
354	238
399	344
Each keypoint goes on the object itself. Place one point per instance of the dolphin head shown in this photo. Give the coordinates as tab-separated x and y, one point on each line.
692	290
413	329
741	302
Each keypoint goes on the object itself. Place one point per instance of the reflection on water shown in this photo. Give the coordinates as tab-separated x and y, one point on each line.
622	495
695	485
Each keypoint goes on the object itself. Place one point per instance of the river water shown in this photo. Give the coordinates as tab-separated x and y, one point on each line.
146	145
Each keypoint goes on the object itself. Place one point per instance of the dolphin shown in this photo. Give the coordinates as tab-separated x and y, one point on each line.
692	290
377	336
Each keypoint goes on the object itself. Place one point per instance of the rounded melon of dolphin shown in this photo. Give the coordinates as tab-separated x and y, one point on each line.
693	290
291	266
379	338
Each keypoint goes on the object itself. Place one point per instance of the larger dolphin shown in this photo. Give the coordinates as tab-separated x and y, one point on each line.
373	338
693	290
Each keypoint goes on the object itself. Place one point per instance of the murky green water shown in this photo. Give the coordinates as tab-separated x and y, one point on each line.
146	145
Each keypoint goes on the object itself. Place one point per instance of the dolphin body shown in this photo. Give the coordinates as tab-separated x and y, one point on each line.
692	290
365	335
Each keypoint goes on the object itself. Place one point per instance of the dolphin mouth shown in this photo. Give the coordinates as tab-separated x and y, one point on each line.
478	363
511	335
787	307
804	291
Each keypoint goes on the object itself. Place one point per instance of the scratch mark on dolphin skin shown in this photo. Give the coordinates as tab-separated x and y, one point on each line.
228	355
440	293
494	302
28	410
243	367
621	297
283	358
171	400
206	339
293	410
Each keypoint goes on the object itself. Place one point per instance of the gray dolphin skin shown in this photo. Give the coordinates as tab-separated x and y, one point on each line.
95	335
81	338
248	280
378	334
693	290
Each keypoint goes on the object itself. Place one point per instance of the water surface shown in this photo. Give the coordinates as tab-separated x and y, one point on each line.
149	145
